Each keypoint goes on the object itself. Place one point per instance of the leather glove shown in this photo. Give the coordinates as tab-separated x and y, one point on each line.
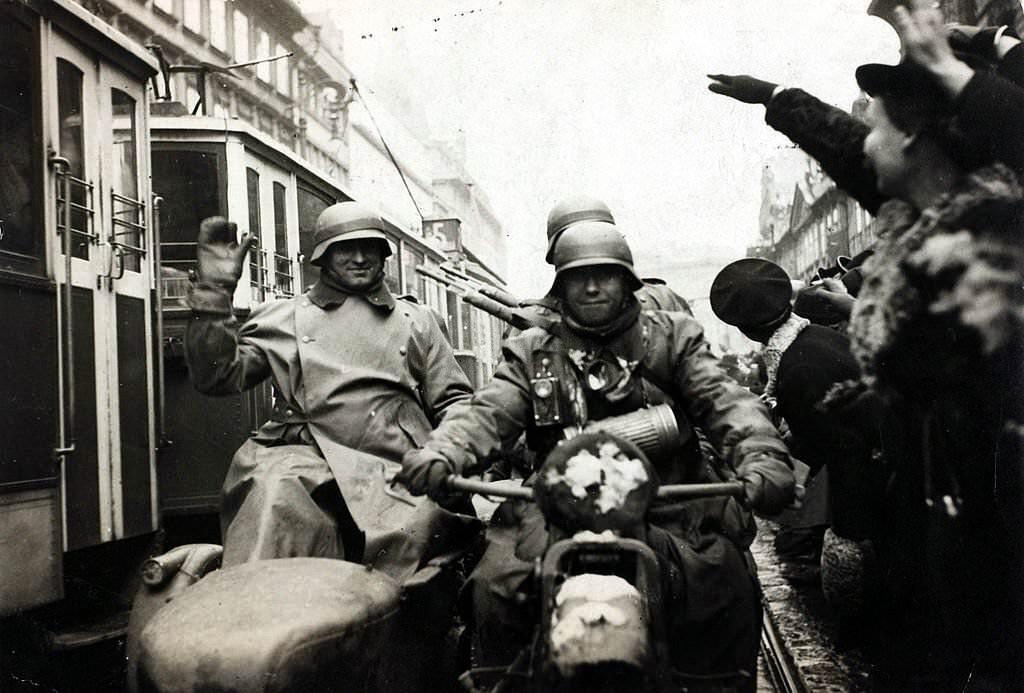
220	257
769	484
743	88
424	471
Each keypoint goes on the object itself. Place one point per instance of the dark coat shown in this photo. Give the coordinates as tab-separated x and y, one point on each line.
712	600
987	114
939	332
818	360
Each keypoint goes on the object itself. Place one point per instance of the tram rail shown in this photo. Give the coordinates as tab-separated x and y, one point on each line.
781	670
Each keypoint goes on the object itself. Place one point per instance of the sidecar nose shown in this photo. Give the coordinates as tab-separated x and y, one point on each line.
290	624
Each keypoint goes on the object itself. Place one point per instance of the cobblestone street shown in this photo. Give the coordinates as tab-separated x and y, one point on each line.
795	605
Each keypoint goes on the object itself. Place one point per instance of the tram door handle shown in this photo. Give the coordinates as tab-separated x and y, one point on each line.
116	259
112	262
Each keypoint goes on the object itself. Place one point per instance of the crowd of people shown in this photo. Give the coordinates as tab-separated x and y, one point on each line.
901	379
916	407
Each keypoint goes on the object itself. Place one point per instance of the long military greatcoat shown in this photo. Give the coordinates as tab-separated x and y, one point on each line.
358	380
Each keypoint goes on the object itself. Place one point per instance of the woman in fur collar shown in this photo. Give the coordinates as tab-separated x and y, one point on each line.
937	329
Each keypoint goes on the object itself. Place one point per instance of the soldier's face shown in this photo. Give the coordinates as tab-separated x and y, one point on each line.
356	264
594	295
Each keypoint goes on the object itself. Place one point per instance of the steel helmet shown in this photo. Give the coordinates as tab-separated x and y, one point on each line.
346	221
573	210
591	243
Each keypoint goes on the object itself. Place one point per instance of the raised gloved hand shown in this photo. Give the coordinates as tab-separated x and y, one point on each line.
220	256
424	471
769	484
742	88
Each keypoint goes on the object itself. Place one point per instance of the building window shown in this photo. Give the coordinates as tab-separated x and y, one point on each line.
263	70
284	71
192	15
219	25
241	23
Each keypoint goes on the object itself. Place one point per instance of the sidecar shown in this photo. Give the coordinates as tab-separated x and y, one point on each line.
295	624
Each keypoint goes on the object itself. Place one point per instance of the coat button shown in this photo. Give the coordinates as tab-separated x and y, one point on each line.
401	350
305	339
289	412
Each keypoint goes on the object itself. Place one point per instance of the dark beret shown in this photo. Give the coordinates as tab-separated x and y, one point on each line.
751	293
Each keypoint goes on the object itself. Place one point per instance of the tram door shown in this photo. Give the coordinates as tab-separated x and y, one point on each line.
101	212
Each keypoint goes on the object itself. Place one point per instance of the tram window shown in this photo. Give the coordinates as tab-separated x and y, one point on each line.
310	203
413	280
69	114
191	185
283	273
466	338
19	228
128	210
391	269
252	189
452	316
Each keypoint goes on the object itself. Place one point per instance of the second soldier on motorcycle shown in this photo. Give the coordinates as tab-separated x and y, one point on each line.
608	358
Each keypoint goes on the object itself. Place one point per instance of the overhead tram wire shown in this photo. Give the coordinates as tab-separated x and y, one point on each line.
394	161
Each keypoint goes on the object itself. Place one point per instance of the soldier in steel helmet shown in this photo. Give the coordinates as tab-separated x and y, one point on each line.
652	294
359	379
607	357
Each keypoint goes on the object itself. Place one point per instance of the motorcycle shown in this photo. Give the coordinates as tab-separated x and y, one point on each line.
601	615
318	624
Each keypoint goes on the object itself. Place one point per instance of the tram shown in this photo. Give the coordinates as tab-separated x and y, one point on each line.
104	440
78	460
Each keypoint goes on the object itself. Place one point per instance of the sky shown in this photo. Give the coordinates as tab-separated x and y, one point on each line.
558	97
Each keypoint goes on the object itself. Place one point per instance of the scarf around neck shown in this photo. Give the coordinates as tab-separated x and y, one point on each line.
328	292
622	322
777	344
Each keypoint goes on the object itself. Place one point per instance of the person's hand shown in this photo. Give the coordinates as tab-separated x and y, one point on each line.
923	40
220	256
769	485
424	472
742	88
990	43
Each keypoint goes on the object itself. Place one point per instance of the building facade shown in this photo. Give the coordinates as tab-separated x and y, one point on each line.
822	223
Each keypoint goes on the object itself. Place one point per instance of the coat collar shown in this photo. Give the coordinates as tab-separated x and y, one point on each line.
327	297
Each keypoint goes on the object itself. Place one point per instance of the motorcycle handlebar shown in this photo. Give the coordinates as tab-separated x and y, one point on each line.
669	492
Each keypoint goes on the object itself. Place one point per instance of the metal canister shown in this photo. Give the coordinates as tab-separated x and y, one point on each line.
654	430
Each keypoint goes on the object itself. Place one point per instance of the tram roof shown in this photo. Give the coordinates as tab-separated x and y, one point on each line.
98	35
209	129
